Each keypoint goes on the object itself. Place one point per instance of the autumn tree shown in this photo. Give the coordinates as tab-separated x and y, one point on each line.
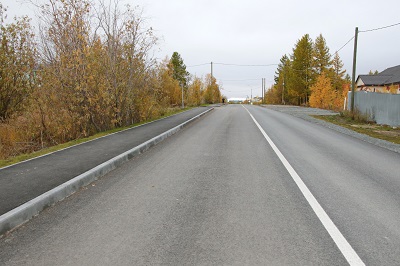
138	41
17	64
322	94
273	95
17	84
195	92
65	67
109	20
167	85
95	70
296	75
100	74
212	93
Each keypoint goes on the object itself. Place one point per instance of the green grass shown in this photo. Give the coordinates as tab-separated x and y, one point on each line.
364	127
27	156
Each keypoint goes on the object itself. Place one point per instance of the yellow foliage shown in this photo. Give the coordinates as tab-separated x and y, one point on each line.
324	96
195	93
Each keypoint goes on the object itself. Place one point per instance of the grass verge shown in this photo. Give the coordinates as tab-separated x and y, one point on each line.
27	156
391	134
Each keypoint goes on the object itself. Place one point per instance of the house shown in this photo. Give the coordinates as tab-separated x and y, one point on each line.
387	81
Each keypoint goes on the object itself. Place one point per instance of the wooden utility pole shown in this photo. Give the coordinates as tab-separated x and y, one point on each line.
353	81
262	89
211	71
265	87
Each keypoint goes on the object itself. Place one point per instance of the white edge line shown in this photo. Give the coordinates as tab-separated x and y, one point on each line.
341	242
24	212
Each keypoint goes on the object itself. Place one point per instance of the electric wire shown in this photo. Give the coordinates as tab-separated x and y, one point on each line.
227	64
381	28
345	44
198	65
234	80
242	65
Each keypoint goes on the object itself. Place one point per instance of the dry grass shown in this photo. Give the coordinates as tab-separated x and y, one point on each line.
31	155
363	126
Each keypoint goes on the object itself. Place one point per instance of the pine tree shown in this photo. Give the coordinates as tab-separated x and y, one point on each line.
338	73
302	67
321	56
179	70
282	79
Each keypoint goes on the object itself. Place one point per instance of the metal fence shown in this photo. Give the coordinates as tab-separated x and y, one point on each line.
383	108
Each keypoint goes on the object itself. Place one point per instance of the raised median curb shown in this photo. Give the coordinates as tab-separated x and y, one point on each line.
26	211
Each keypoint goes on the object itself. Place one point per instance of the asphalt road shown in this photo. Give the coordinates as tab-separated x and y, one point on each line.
217	194
22	182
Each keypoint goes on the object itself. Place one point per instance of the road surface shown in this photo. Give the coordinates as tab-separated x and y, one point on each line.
22	182
217	193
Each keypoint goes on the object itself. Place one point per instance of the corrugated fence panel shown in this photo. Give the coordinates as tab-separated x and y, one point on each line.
383	108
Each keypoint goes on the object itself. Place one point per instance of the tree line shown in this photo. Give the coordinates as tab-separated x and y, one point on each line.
89	69
310	76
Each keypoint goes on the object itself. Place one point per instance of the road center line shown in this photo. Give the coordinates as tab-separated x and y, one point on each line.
341	242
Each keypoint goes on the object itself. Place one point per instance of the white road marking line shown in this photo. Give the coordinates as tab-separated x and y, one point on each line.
341	242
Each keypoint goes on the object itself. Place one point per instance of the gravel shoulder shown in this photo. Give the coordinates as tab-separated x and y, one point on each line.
306	113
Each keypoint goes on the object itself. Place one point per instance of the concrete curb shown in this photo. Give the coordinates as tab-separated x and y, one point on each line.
26	211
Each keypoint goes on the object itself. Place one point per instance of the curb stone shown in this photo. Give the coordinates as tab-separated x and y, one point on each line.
22	214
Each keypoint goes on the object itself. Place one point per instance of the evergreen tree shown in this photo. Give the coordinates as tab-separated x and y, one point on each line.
347	78
282	67
302	63
282	79
338	73
321	55
373	73
179	70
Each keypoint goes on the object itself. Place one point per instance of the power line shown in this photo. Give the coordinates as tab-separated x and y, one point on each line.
345	44
241	65
381	28
227	64
241	91
238	79
199	65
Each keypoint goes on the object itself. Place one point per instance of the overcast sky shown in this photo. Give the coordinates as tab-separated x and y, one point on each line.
255	32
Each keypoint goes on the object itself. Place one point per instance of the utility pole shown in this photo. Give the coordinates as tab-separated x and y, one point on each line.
211	72
353	80
265	100
283	92
262	89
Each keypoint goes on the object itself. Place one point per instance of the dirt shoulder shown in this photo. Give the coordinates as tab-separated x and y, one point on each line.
384	136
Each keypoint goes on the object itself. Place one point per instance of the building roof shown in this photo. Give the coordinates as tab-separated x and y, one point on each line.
389	76
376	80
394	72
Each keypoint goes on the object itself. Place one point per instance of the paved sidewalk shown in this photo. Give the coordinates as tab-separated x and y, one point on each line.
22	182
